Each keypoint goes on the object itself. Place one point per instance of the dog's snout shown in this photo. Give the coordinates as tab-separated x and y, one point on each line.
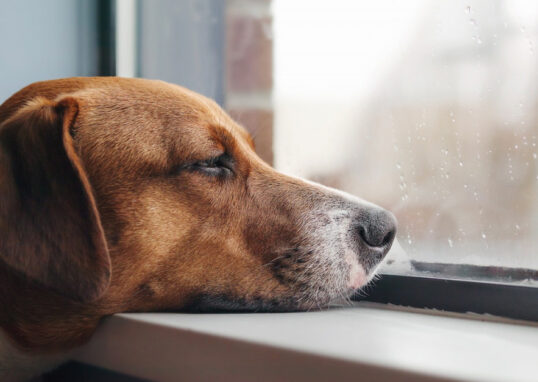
377	228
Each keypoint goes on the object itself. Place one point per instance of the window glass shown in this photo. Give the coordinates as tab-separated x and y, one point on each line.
427	108
43	40
182	42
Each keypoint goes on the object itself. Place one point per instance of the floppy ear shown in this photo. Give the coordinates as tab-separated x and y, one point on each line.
50	230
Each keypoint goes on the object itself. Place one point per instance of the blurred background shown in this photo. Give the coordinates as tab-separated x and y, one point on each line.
427	108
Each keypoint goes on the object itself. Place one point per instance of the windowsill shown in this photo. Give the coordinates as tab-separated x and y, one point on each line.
366	340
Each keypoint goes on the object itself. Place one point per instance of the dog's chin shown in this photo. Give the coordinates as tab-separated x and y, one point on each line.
307	298
224	303
312	280
228	303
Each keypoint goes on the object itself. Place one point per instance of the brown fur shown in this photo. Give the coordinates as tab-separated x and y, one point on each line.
116	219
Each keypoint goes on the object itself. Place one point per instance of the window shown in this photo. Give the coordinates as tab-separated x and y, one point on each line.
75	41
427	108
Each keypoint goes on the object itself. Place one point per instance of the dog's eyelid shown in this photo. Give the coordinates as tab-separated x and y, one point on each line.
219	158
219	165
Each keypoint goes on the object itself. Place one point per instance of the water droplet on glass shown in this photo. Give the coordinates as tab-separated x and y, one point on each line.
461	164
483	235
398	166
468	9
476	39
518	227
516	147
534	155
450	243
472	22
465	186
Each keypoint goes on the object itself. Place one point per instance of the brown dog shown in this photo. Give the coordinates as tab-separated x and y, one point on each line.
135	195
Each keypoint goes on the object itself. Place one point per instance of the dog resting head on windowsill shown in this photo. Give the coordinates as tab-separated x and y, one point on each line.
133	195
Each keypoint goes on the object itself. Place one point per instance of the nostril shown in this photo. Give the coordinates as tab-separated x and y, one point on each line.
372	237
362	233
389	237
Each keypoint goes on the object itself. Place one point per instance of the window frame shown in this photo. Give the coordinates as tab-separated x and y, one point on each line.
106	37
454	295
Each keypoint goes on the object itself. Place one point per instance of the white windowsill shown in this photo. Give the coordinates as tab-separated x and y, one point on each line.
363	341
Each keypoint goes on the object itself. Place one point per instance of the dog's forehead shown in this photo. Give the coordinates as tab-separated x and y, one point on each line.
150	100
160	122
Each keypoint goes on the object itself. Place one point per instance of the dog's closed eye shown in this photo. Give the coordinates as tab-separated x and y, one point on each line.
218	166
221	165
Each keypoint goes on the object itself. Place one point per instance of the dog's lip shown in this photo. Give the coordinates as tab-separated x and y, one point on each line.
357	279
357	274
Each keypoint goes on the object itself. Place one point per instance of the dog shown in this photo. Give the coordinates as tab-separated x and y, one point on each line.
129	195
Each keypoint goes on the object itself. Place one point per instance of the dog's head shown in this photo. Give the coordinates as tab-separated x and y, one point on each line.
139	195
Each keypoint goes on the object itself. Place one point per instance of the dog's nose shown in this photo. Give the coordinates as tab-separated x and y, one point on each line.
377	228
